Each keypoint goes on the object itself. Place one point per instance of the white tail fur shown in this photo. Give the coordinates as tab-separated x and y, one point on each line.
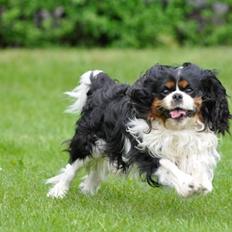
80	92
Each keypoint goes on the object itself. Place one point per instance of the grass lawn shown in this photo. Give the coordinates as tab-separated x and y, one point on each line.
33	127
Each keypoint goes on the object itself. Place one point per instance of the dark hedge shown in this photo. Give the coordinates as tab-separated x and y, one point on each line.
115	23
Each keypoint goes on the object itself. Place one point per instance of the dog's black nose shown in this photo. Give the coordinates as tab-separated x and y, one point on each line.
177	97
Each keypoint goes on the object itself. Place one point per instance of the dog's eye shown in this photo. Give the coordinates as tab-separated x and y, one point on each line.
165	91
188	90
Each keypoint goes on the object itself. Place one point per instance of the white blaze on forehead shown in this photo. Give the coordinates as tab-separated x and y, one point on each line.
179	69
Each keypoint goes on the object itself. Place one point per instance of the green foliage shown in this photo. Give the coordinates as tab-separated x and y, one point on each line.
121	23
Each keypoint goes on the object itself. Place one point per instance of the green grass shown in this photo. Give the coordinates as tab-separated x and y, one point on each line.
33	126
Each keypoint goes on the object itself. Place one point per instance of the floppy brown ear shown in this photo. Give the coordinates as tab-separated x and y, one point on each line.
215	109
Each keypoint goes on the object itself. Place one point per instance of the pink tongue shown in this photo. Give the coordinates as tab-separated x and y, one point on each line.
177	113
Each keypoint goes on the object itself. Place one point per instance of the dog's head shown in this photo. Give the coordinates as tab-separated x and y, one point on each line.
178	96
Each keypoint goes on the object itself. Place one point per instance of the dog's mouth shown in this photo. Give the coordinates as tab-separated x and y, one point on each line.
179	113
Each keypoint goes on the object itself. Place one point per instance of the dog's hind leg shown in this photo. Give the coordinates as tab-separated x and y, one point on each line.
98	171
62	181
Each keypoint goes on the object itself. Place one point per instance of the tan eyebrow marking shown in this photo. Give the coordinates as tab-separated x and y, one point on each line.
170	84
183	84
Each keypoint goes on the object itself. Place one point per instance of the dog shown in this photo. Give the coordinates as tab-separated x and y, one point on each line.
164	126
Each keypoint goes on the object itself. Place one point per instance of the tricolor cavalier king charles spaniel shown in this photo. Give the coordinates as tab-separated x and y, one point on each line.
165	126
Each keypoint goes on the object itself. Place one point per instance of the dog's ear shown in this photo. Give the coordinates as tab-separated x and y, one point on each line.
215	109
141	99
146	88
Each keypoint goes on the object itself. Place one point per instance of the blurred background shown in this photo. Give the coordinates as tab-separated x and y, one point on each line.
116	23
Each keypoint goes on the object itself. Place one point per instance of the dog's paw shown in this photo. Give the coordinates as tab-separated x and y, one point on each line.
206	187
187	187
58	191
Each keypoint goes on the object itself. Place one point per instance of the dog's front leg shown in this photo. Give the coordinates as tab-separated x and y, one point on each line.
170	175
201	168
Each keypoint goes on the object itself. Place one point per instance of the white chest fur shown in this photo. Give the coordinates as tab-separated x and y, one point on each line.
189	149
